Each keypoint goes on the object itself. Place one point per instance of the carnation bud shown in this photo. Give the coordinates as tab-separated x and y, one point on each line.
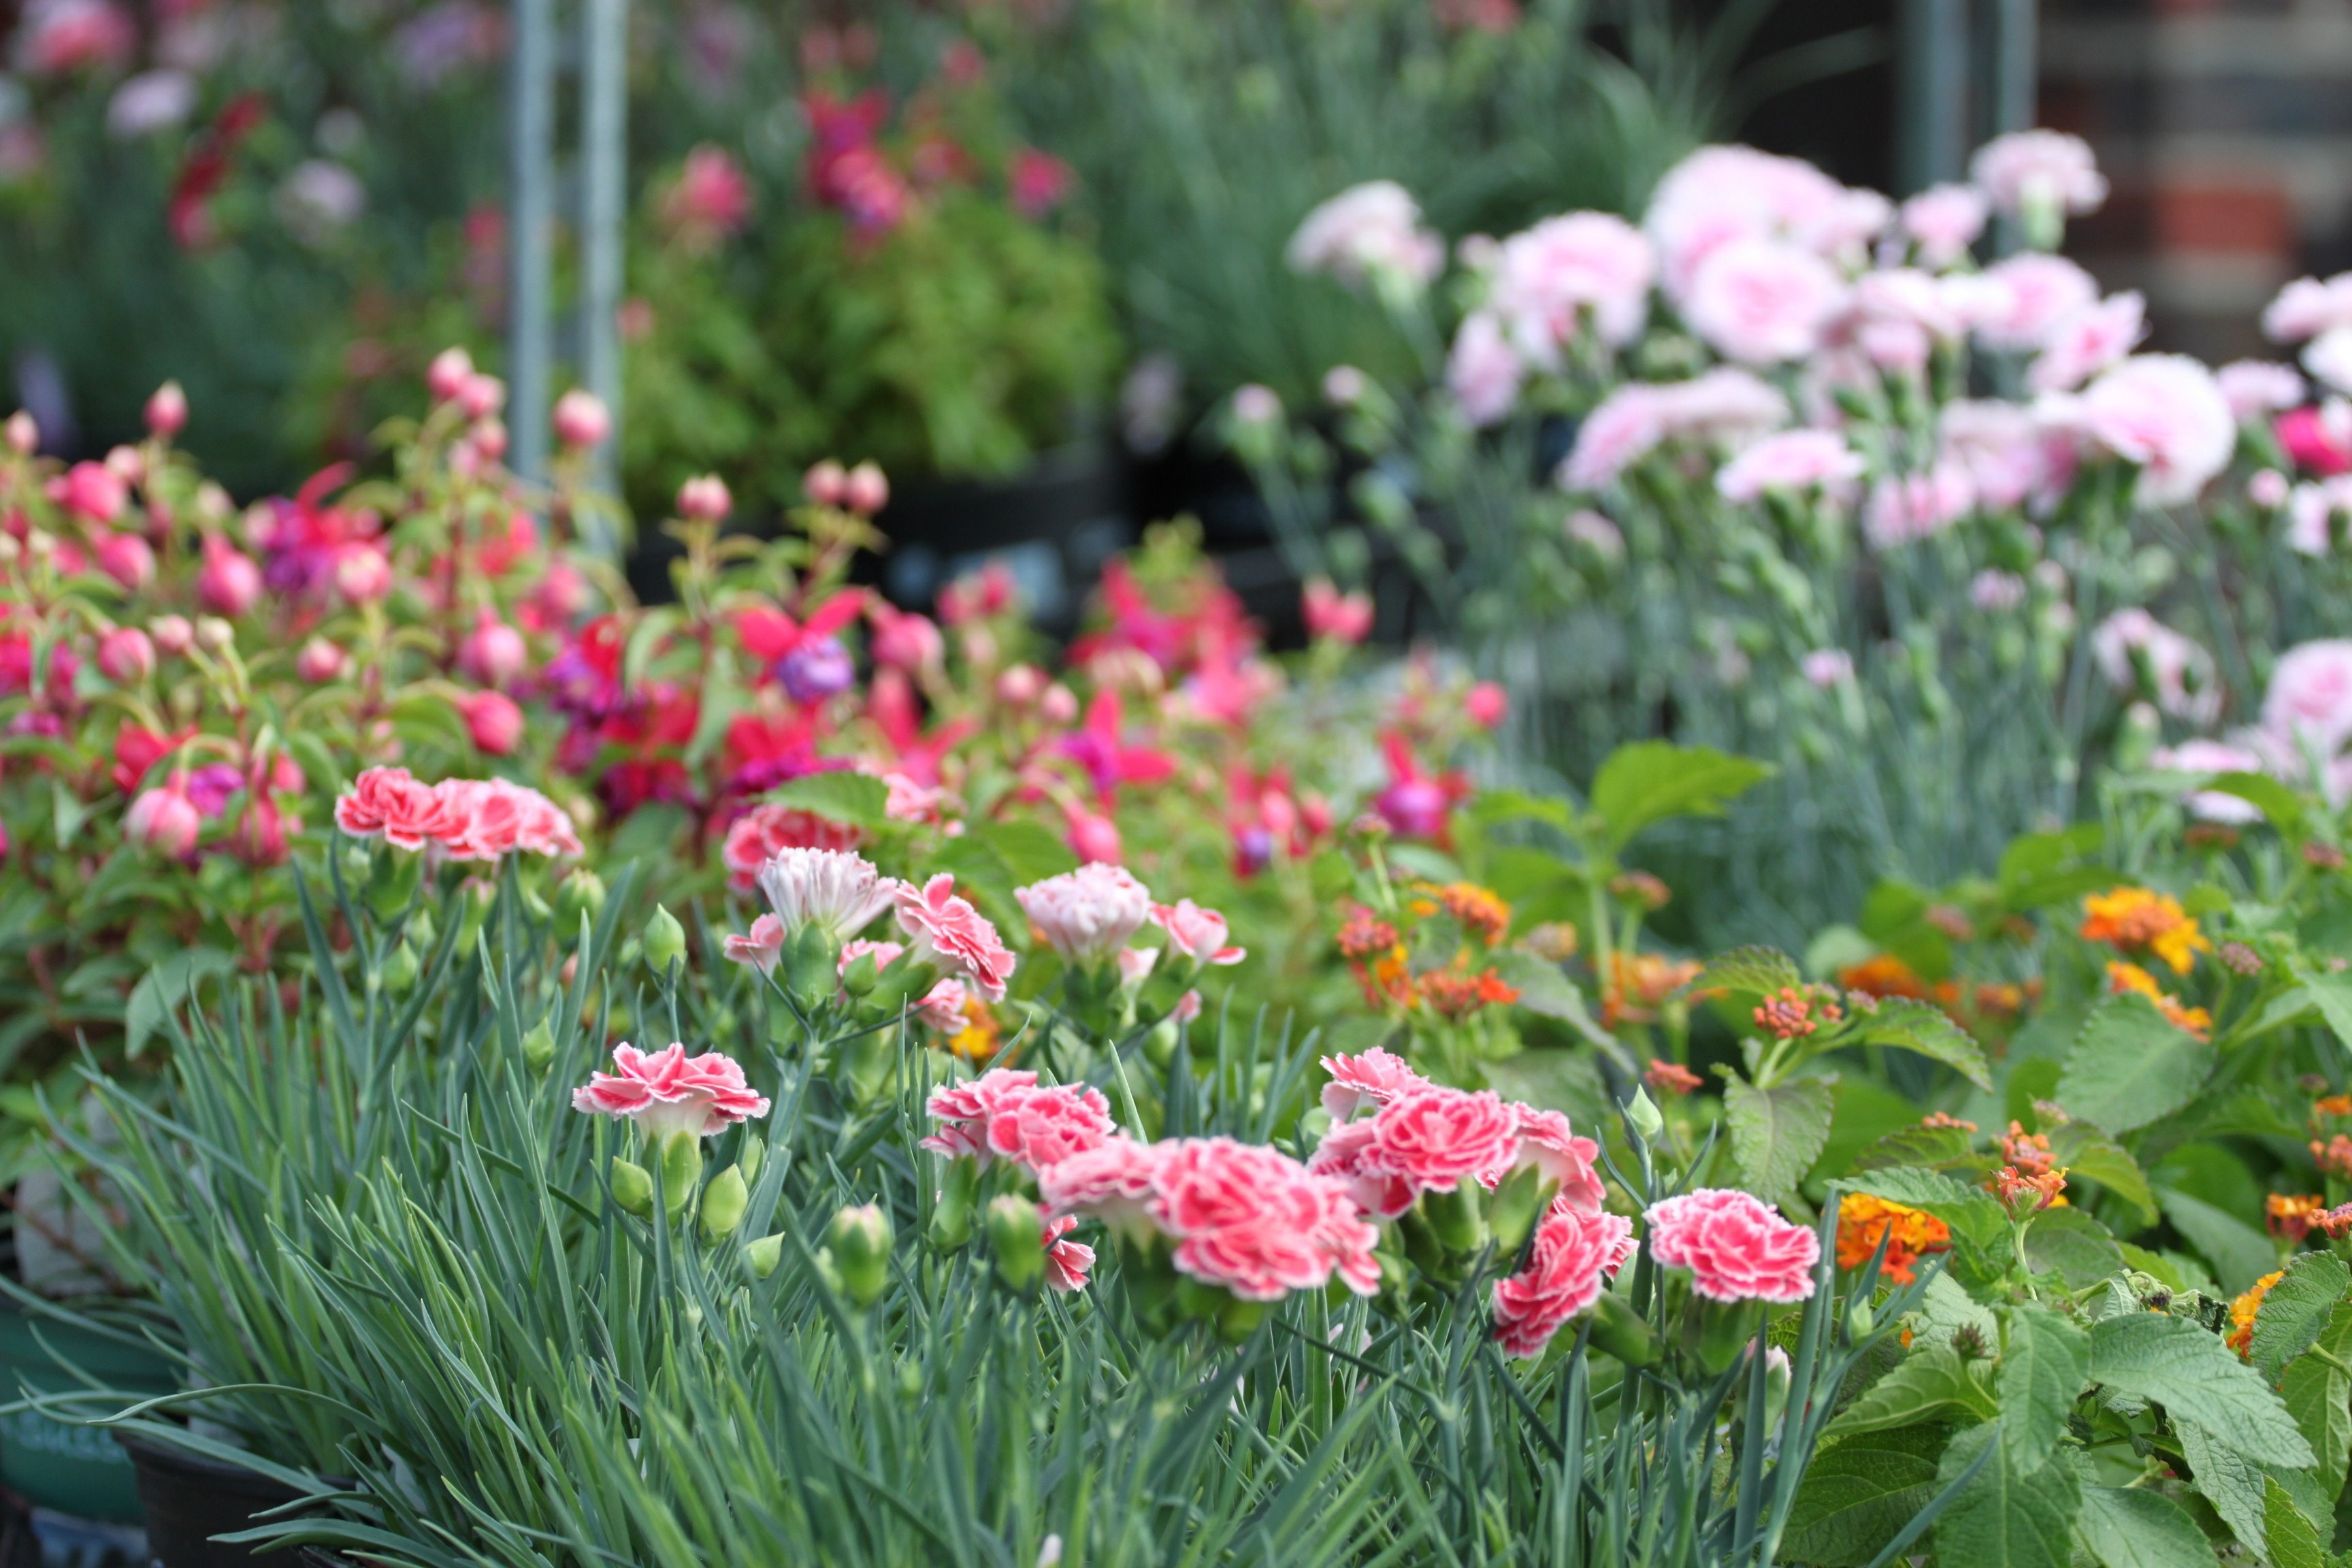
866	490
1642	1115
665	940
823	483
1859	1319
681	1168
1016	1237
446	376
319	661
174	636
23	435
167	411
951	1217
399	971
580	893
724	1203
704	498
392	884
1621	1332
126	655
539	1047
763	1257
582	420
860	1238
633	1187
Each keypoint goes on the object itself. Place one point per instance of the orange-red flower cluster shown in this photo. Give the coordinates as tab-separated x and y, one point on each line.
1670	1078
1790	1013
1909	1233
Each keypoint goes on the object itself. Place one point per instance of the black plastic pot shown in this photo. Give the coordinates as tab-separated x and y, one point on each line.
190	1498
1053	525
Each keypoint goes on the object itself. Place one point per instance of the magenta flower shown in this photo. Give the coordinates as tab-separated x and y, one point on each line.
1736	1247
668	1091
1566	1269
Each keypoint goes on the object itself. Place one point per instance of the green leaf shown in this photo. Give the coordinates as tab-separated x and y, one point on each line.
1491	806
2289	1540
1776	1132
2087	1153
2125	1527
1756	970
2129	1065
1858	1493
1545	991
2007	1518
2196	1378
1924	1027
2295	1309
1969	1210
1563	1081
2071	1244
2266	795
1929	1148
164	987
2332	995
1030	850
1933	1384
2043	1368
860	800
1650	781
2319	1394
2239	1254
2237	1487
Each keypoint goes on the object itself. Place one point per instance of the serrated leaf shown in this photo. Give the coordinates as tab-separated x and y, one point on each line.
2196	1378
1929	1385
2295	1309
2331	994
2043	1368
1929	1148
2129	1065
2007	1518
1859	1492
2237	1486
1545	991
1776	1132
2071	1245
2239	1254
1650	781
837	795
2319	1394
2289	1540
1757	970
1924	1027
2126	1527
2086	1152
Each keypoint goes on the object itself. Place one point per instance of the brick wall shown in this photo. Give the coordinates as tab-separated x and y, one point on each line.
2226	129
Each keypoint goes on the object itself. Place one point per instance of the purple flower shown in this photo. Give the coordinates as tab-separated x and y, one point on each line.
816	671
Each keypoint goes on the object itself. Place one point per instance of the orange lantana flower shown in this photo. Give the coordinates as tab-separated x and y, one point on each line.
1909	1232
2241	1337
1883	977
2138	920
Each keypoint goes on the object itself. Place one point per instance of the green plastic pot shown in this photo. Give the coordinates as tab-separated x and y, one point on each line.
52	1464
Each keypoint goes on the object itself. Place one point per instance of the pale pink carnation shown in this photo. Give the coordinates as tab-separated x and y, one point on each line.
1197	933
668	1091
1905	508
2212	757
1087	915
1482	370
1763	301
1736	1247
2311	510
949	931
2309	701
1005	1114
2164	412
1112	1181
1371	1079
2009	458
762	948
2024	299
1790	462
1368	233
1549	281
1720	195
2268	488
2088	341
1436	1138
1567	1268
1827	669
2255	389
1626	426
2308	307
833	888
1943	221
1564	1160
1726	407
2329	357
2039	170
2131	644
1067	1262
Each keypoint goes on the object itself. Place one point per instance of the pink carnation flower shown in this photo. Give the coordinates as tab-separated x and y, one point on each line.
1908	507
487	818
2255	389
2009	458
947	931
1942	221
2039	170
2132	643
761	949
1626	426
1005	1114
1366	233
1067	1262
2309	701
2088	341
1482	370
1112	1181
1564	1160
2164	412
832	888
1087	915
388	803
669	1091
1736	1247
1437	1138
754	838
1197	933
1256	1223
1371	1079
1763	301
2308	307
1719	196
2024	298
1565	273
1790	462
1567	1268
2212	757
1347	1154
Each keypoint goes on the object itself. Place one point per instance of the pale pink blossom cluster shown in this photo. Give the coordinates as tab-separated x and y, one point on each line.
1243	1217
463	819
1736	1246
1942	221
1764	301
1087	915
1905	508
1726	407
2255	389
2134	649
1794	462
667	1091
2021	301
1368	233
1006	1114
1723	194
2087	340
1902	315
833	888
2030	172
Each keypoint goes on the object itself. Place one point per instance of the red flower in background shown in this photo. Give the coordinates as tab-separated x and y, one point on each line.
1416	804
1101	748
1040	182
206	170
2318	445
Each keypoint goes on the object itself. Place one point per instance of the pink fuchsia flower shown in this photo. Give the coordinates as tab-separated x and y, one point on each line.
2255	389
1333	615
1903	508
1092	835
167	411
2030	172
1371	1079
492	719
229	583
1827	669
1370	233
1039	181
711	199
2308	307
91	491
835	890
127	558
2088	341
2133	648
1763	301
1067	1262
126	655
1791	462
582	420
1256	1223
2024	299
2212	757
704	498
447	378
1196	933
362	574
759	834
164	820
319	661
1482	370
1436	1138
904	639
947	931
762	948
386	803
667	1091
1942	221
1736	1247
1567	1268
2309	701
1552	281
864	490
2164	412
493	653
480	398
1005	1114
1113	1182
1087	915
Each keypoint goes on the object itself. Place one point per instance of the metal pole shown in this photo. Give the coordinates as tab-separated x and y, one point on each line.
530	204
1932	81
605	95
2016	65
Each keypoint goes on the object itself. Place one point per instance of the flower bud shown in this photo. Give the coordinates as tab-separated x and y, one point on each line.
1059	705
394	881
823	483
23	435
866	490
215	635
1642	1115
446	376
724	1204
665	940
860	1239
127	559
951	1217
763	1257
493	653
230	584
399	971
539	1047
320	661
126	655
174	636
1859	1319
1016	1234
493	720
167	411
682	1169
481	396
580	419
704	498
1020	686
364	575
633	1187
487	442
580	893
164	820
